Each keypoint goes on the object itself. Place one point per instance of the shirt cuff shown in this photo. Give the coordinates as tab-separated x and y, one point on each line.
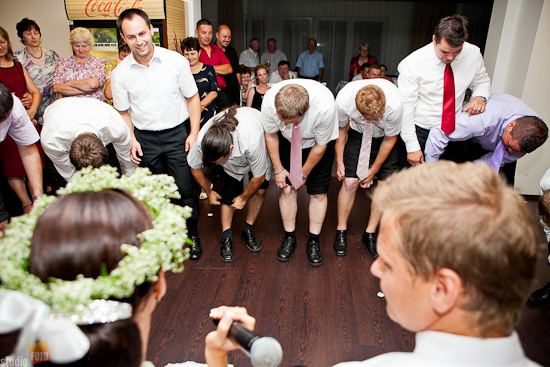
412	146
428	159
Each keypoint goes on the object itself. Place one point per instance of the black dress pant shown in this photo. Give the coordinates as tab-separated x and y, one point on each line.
164	152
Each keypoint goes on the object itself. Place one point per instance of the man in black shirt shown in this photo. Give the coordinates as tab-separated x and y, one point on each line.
233	80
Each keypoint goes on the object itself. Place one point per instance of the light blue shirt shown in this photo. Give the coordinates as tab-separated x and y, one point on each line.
485	128
310	64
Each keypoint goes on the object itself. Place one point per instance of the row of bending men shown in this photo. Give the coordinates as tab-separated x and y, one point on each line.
304	129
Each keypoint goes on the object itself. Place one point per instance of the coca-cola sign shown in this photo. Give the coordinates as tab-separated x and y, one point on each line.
105	9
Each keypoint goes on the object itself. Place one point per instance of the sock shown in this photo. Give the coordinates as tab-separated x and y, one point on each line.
345	231
313	237
290	234
192	230
248	227
227	234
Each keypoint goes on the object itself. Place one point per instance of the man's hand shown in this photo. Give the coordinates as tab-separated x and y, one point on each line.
280	179
367	182
475	106
190	141
340	171
27	100
415	158
136	150
217	344
214	198
238	203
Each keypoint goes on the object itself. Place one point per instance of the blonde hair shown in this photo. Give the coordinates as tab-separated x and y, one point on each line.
81	34
291	101
465	218
259	67
370	101
543	210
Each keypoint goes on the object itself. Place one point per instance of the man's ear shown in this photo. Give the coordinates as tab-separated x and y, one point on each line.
446	291
433	38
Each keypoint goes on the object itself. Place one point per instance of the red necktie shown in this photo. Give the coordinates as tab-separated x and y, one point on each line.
296	157
448	117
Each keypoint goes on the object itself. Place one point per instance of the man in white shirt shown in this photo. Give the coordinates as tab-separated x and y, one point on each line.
457	260
68	120
235	140
282	73
309	106
249	57
421	81
155	92
15	122
376	102
272	56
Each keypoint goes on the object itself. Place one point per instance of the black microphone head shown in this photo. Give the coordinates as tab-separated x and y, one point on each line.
266	352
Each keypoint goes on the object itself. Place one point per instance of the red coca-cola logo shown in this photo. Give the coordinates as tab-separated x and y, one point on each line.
110	9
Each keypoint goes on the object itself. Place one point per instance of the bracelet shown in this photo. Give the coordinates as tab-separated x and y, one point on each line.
275	174
26	206
36	197
304	177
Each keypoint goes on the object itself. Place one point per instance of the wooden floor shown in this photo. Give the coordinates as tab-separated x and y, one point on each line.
321	316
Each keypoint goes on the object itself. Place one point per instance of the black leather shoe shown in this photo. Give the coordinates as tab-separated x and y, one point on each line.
541	296
340	244
252	243
285	251
369	239
226	251
196	250
314	254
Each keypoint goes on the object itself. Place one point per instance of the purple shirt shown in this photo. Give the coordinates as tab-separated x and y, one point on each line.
485	128
19	126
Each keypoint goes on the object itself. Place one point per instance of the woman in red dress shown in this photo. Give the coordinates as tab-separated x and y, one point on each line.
357	61
16	78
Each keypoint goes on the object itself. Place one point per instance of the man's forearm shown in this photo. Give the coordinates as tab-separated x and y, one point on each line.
340	145
321	71
272	144
194	104
223	69
33	167
313	158
201	179
253	185
128	120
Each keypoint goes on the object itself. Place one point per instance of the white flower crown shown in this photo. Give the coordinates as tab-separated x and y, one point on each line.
161	247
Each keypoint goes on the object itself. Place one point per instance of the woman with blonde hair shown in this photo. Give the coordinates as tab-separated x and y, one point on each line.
256	93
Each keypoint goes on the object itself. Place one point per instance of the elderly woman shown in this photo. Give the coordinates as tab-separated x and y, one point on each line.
245	80
80	75
205	77
256	93
18	81
39	63
357	61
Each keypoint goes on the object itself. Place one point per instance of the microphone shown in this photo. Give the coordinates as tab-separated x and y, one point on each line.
263	351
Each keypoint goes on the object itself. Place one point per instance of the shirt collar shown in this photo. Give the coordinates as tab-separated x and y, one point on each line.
436	61
155	57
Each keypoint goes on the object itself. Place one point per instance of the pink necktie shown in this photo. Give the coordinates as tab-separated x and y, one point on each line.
498	155
296	157
364	154
448	117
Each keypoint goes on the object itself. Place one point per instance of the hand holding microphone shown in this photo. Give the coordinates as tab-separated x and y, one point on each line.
234	331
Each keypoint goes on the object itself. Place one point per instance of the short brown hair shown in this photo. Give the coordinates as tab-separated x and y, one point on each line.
531	132
88	150
543	210
454	29
6	36
291	101
370	101
479	228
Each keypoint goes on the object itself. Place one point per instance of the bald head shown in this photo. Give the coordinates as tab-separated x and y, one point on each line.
223	36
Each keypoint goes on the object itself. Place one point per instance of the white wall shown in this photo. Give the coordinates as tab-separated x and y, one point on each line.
194	15
517	51
50	16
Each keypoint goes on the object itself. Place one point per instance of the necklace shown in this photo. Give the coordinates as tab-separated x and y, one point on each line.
28	53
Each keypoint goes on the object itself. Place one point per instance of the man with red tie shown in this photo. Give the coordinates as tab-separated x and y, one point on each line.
434	80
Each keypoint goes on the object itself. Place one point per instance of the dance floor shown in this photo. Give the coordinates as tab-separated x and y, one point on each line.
321	316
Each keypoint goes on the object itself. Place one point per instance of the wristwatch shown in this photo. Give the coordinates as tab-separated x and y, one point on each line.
483	99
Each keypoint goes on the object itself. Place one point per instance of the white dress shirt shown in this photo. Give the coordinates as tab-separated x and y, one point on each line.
319	124
421	84
249	152
249	58
67	118
154	94
437	349
19	125
273	58
275	77
390	122
357	77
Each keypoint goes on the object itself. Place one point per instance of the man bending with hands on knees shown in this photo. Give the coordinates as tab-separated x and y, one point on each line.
373	108
299	120
234	138
442	240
